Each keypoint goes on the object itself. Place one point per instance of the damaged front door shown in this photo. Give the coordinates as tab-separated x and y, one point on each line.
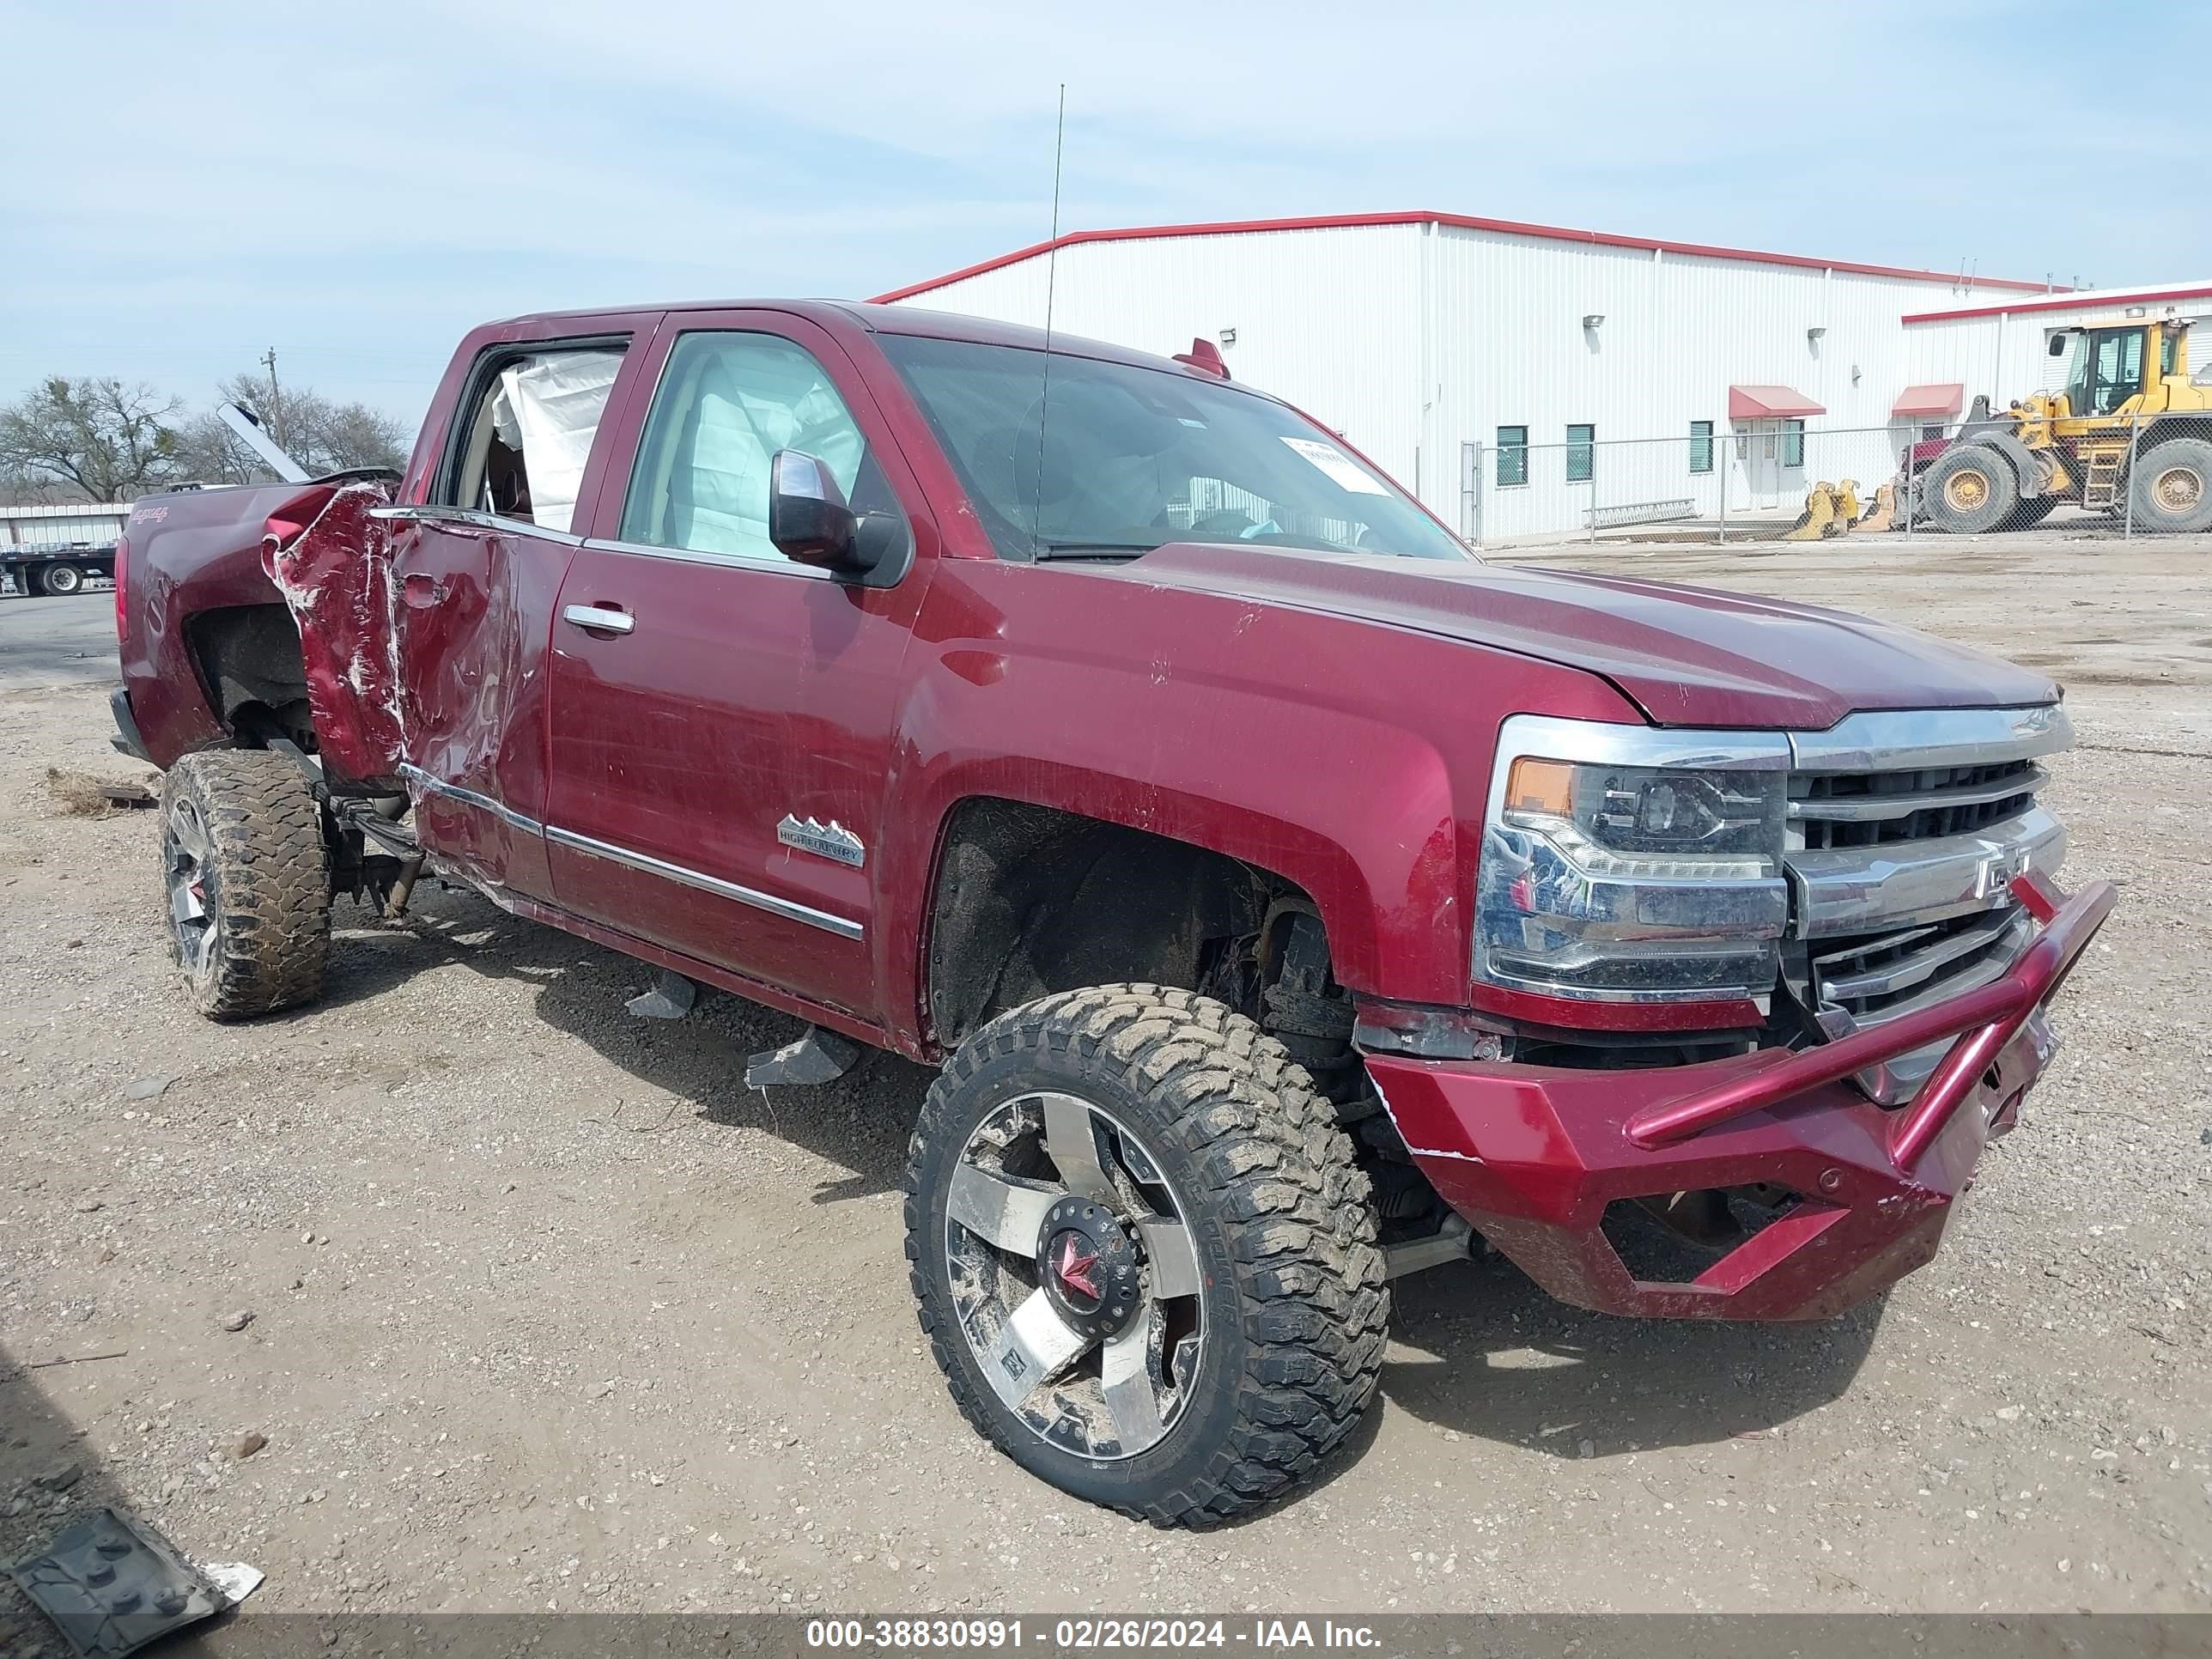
427	642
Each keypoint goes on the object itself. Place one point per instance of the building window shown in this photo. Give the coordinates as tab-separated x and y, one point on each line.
1581	444
1701	445
1793	443
1930	431
1513	456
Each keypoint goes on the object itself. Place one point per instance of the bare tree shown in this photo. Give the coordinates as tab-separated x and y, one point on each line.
97	438
320	435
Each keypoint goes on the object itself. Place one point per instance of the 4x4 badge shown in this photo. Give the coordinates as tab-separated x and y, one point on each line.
829	841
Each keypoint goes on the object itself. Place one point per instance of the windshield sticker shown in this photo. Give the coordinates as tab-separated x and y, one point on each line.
1340	468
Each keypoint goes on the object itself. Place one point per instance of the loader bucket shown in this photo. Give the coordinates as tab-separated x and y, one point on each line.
1820	514
1882	515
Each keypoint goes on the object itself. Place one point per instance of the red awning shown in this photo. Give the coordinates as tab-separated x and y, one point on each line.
1918	400
1768	402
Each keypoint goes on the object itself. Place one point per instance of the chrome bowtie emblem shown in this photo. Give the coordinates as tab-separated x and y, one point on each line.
828	841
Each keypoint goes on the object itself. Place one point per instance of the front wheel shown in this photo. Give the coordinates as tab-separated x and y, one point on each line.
1144	1257
1969	489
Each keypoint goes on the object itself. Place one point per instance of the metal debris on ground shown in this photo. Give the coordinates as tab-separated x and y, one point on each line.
127	794
671	997
111	1585
235	1579
817	1056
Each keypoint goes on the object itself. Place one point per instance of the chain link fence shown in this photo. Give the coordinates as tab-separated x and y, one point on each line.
1783	480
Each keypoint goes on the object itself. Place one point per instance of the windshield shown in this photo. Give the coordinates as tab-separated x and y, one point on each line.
2107	370
1125	458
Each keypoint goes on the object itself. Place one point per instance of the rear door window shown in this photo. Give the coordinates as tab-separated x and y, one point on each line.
529	433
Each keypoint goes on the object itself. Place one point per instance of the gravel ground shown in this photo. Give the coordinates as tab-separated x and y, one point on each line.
547	1311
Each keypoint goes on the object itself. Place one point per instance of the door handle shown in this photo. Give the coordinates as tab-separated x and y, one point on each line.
420	592
598	618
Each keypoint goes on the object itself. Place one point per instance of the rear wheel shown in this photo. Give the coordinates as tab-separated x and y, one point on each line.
246	875
1969	489
1144	1257
2171	486
62	580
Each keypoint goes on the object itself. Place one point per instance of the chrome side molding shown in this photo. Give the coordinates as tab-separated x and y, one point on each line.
787	908
790	909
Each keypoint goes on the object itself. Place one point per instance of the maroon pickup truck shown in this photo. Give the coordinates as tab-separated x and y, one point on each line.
1291	900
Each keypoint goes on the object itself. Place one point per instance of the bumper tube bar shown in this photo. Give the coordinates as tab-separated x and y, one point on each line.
1553	1166
1983	1021
125	740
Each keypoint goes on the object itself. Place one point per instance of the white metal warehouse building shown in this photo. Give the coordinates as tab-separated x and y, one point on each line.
1421	336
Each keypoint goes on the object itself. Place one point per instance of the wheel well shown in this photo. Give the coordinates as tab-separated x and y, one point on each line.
250	660
2199	426
1030	900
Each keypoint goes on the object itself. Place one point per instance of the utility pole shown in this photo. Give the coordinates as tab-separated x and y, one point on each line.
271	417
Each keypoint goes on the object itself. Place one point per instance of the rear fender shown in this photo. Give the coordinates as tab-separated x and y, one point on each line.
330	560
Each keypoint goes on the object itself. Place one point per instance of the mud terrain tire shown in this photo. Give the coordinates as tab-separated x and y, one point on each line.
1289	1280
1969	489
2171	486
246	882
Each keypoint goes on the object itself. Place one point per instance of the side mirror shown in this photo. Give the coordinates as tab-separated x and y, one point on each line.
808	518
2058	345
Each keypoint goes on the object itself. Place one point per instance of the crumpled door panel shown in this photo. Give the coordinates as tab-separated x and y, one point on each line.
331	562
424	641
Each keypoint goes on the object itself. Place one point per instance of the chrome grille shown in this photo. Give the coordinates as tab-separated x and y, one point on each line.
1904	833
1875	808
1882	975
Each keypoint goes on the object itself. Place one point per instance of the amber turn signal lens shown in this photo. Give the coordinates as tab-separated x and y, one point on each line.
1540	786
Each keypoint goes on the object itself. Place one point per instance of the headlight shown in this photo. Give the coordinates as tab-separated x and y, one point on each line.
1629	865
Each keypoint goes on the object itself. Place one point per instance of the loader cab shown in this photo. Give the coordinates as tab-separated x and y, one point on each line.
2107	365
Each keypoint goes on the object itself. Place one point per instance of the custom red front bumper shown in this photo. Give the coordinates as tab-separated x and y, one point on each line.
1532	1155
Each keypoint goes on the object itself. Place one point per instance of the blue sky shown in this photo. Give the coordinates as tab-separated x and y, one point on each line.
185	186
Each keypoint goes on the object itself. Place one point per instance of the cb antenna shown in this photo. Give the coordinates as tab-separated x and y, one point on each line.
1051	264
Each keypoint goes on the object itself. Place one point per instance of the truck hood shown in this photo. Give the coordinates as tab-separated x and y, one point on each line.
1686	656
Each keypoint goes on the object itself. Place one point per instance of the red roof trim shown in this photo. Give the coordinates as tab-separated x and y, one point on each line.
1769	402
1458	221
1945	398
2074	302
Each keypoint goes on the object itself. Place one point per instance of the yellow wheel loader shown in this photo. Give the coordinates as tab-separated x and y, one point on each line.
2131	433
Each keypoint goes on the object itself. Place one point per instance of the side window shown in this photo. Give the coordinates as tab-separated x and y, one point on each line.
1701	445
727	402
1582	453
530	433
1513	456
